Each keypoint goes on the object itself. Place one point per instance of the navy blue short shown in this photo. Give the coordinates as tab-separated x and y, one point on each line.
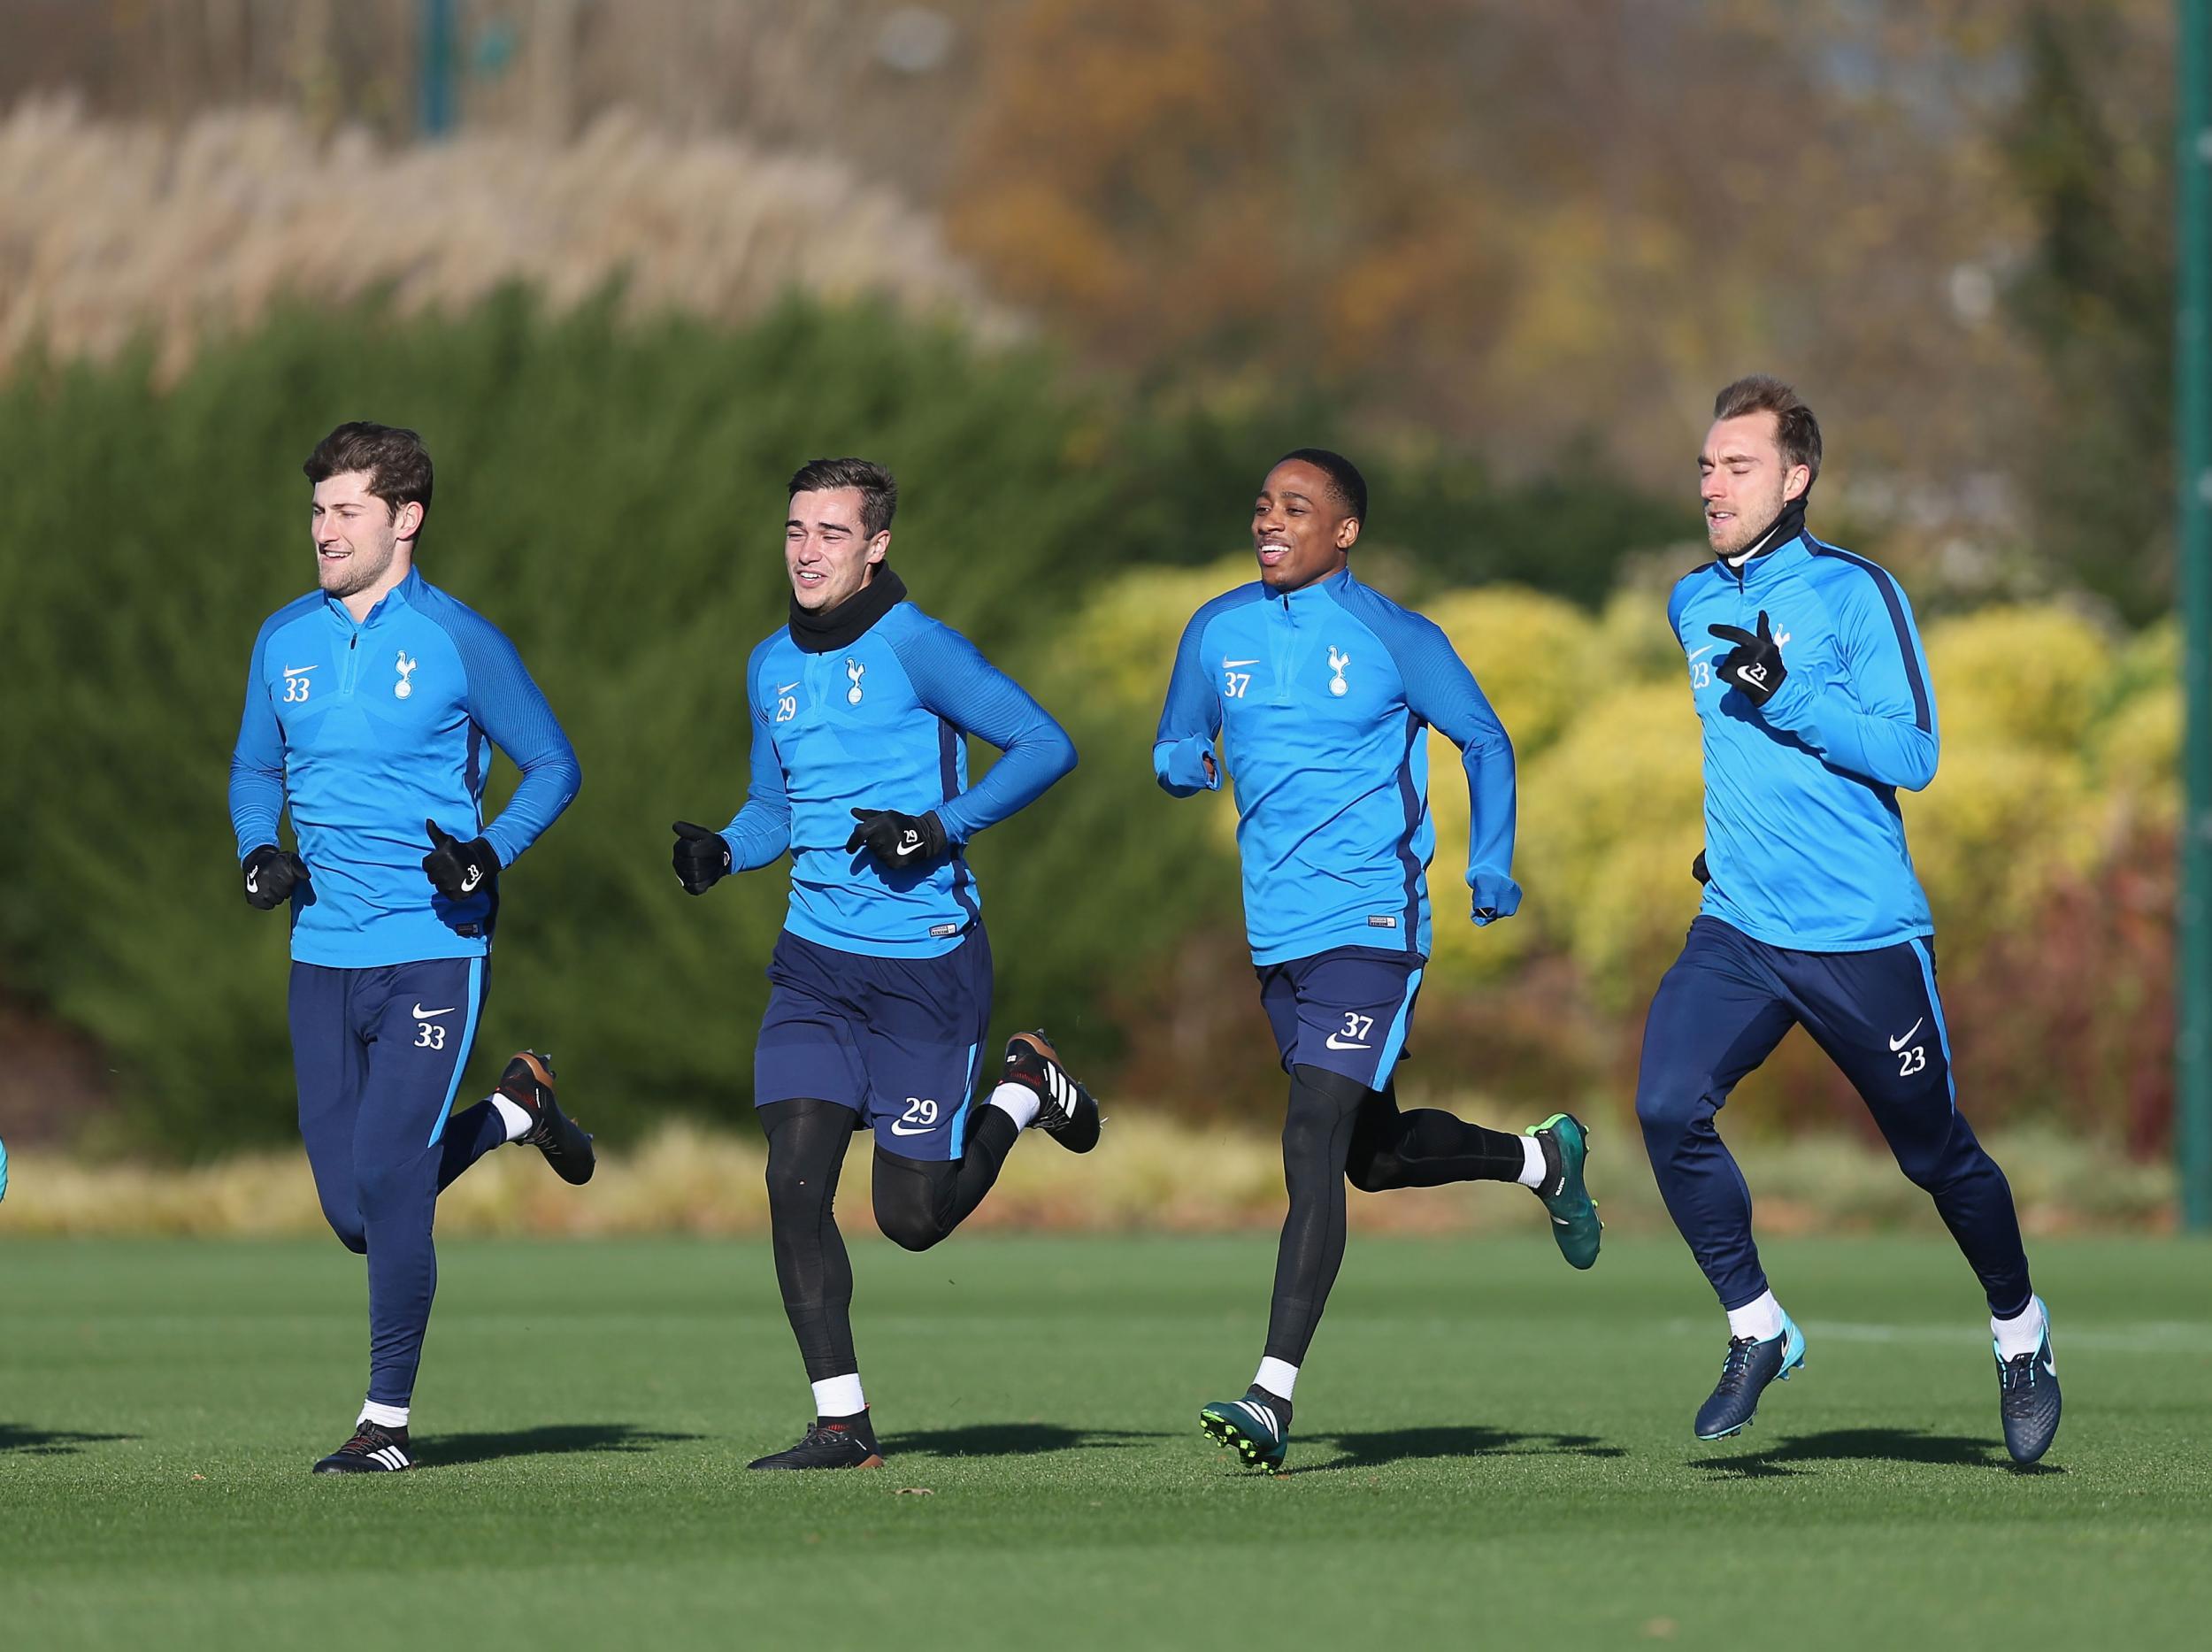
896	1039
1345	1011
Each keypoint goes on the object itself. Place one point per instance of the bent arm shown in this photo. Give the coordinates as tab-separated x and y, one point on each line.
1883	728
951	678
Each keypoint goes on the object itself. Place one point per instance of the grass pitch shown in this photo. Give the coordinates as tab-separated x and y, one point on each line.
1490	1449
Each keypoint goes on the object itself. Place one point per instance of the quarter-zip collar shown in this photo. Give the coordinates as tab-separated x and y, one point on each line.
1329	590
402	595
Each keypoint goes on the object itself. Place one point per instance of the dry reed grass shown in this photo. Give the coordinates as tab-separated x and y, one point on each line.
108	229
1148	1176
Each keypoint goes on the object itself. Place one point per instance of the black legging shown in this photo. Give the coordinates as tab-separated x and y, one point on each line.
917	1202
1337	1129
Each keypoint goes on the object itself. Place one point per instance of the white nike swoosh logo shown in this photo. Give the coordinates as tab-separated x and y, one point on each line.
908	844
1337	1043
475	877
1896	1044
786	688
1249	662
422	1014
253	885
298	671
1561	1221
1706	650
901	1130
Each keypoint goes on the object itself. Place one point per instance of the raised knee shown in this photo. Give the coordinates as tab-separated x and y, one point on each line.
910	1229
1665	1113
347	1225
1372	1174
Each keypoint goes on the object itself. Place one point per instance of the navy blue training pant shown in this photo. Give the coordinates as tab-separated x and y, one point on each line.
1720	1012
379	1054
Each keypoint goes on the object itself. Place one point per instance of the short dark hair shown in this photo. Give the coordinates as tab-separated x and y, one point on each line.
1345	481
398	464
1796	432
879	488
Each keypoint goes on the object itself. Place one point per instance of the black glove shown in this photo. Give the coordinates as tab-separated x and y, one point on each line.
458	869
897	840
1754	665
270	875
1698	871
703	857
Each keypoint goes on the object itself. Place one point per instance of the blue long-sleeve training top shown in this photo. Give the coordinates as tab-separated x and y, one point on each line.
879	724
366	730
1802	834
1319	697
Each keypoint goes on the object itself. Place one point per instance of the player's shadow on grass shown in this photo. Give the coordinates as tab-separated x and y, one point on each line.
552	1439
1407	1445
1013	1440
48	1442
1869	1445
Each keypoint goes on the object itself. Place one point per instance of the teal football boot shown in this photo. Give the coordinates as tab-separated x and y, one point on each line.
1251	1427
1574	1214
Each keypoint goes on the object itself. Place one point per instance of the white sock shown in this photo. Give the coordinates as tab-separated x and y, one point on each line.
1018	1102
839	1397
382	1415
2023	1334
1760	1319
1533	1174
518	1122
1278	1377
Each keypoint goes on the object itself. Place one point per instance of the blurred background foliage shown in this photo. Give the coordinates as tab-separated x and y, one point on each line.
1078	271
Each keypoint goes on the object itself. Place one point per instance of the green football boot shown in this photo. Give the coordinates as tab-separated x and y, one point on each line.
1253	1428
1574	1214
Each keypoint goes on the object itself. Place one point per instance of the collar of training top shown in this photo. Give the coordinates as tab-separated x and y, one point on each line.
843	626
1784	529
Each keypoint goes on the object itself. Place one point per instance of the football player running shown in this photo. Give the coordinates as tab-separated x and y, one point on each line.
1320	692
1809	680
368	704
881	983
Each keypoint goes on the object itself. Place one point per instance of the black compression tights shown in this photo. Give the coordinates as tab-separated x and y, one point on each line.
1338	1131
917	1202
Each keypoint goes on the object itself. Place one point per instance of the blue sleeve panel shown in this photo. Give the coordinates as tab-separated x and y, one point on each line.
257	762
1191	719
1882	726
507	705
760	832
952	678
1443	694
1803	835
361	730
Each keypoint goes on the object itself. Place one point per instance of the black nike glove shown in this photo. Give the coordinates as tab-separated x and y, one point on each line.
703	857
272	874
458	869
1698	871
1754	665
898	841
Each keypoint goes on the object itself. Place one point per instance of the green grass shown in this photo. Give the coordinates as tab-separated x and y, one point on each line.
1490	1451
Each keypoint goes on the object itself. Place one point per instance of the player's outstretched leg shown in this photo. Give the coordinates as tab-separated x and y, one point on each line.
807	1141
1317	1133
